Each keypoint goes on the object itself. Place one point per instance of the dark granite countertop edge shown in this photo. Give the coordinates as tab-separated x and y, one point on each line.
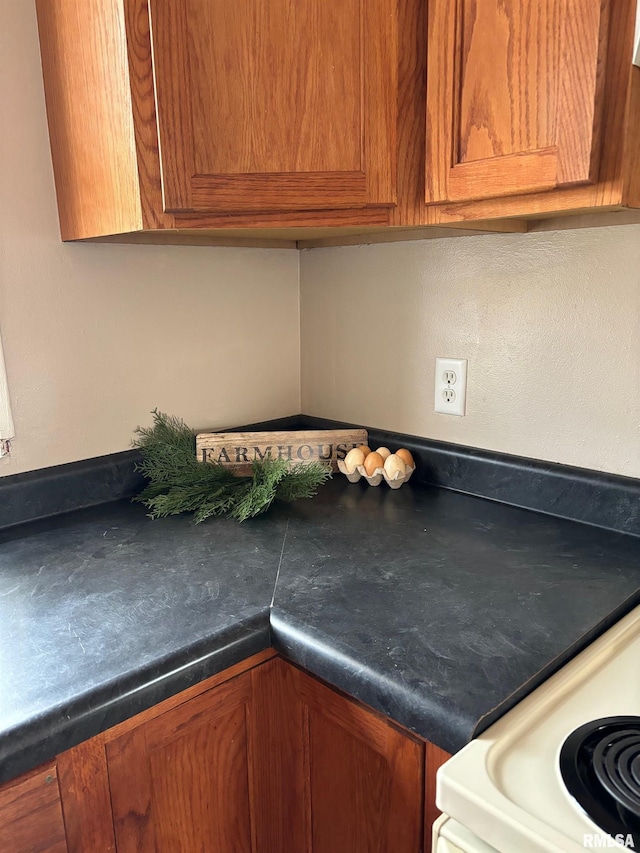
85	716
556	664
315	654
437	721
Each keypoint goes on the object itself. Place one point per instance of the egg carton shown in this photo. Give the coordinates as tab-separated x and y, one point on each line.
377	477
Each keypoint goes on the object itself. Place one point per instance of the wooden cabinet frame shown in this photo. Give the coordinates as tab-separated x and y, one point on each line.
571	109
247	185
286	711
125	174
615	172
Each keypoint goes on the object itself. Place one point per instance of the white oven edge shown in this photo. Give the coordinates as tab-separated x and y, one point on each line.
467	785
451	837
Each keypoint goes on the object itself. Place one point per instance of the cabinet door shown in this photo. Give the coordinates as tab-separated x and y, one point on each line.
365	777
31	814
276	104
514	96
180	782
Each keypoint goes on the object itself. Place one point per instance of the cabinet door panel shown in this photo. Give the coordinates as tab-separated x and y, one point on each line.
365	777
349	806
31	814
514	96
278	751
181	782
276	104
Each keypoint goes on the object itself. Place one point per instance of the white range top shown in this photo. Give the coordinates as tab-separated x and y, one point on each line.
505	787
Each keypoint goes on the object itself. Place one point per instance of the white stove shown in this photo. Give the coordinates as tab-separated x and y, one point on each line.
505	790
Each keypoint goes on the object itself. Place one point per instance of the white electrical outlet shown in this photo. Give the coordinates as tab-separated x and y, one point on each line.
451	385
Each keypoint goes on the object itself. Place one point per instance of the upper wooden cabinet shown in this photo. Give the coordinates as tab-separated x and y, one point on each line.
205	114
275	104
515	96
533	108
303	120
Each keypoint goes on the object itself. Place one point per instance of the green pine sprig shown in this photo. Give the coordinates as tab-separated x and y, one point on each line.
178	482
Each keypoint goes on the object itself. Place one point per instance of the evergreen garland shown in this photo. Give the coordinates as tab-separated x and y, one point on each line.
178	482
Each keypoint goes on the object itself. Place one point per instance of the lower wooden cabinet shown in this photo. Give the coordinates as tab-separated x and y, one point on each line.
181	782
31	814
364	777
261	758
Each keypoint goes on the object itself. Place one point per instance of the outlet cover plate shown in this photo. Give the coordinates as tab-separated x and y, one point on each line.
451	386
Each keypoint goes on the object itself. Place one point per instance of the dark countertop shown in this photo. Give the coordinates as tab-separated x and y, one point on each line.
438	609
104	613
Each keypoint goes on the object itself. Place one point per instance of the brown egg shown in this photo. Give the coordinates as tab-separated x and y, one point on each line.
393	465
353	458
372	462
406	457
366	450
384	452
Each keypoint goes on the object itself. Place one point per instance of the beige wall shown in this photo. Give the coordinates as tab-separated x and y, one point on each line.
550	324
96	336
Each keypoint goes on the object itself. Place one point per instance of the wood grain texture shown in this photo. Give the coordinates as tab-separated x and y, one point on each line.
143	105
614	161
238	450
364	217
181	781
247	45
99	84
236	133
261	758
308	238
506	64
86	803
434	759
170	56
31	815
278	761
443	30
75	56
295	190
365	776
379	45
631	191
580	91
85	72
528	172
83	771
188	694
412	90
514	96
